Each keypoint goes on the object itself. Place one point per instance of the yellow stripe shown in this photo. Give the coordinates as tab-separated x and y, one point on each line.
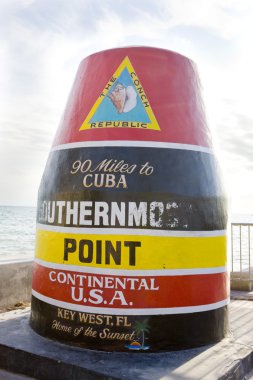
155	252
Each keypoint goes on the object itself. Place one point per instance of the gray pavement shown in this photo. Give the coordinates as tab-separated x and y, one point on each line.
26	352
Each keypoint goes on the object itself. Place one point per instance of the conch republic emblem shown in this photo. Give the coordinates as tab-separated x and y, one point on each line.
131	216
122	103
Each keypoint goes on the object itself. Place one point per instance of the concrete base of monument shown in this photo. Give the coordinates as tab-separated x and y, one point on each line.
15	282
22	351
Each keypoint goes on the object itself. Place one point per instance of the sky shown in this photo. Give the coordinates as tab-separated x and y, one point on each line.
43	41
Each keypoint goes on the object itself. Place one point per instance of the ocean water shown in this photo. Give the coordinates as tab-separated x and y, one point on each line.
17	232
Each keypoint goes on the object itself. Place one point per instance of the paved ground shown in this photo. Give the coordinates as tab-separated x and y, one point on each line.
231	359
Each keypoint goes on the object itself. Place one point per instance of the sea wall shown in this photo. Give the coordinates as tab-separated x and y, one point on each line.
15	282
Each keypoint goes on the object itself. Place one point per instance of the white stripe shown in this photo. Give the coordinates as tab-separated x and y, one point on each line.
147	311
129	231
129	272
139	144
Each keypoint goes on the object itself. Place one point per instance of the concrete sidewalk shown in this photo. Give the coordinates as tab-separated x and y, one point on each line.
23	351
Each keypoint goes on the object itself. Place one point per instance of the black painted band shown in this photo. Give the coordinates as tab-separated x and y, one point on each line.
176	171
170	212
162	332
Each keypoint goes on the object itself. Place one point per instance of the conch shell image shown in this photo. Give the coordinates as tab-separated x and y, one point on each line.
123	98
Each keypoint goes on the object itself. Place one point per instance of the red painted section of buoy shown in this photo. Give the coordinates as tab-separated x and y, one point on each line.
172	87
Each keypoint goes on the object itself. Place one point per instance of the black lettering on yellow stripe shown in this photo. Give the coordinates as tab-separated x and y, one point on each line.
99	253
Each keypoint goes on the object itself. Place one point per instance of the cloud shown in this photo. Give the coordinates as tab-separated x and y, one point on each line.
236	137
220	16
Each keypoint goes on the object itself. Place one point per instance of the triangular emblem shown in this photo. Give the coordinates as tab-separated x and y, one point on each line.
122	103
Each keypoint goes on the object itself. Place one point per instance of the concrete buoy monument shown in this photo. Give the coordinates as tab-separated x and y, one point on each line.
131	218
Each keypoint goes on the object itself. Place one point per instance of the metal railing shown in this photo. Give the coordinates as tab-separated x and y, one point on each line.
241	251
